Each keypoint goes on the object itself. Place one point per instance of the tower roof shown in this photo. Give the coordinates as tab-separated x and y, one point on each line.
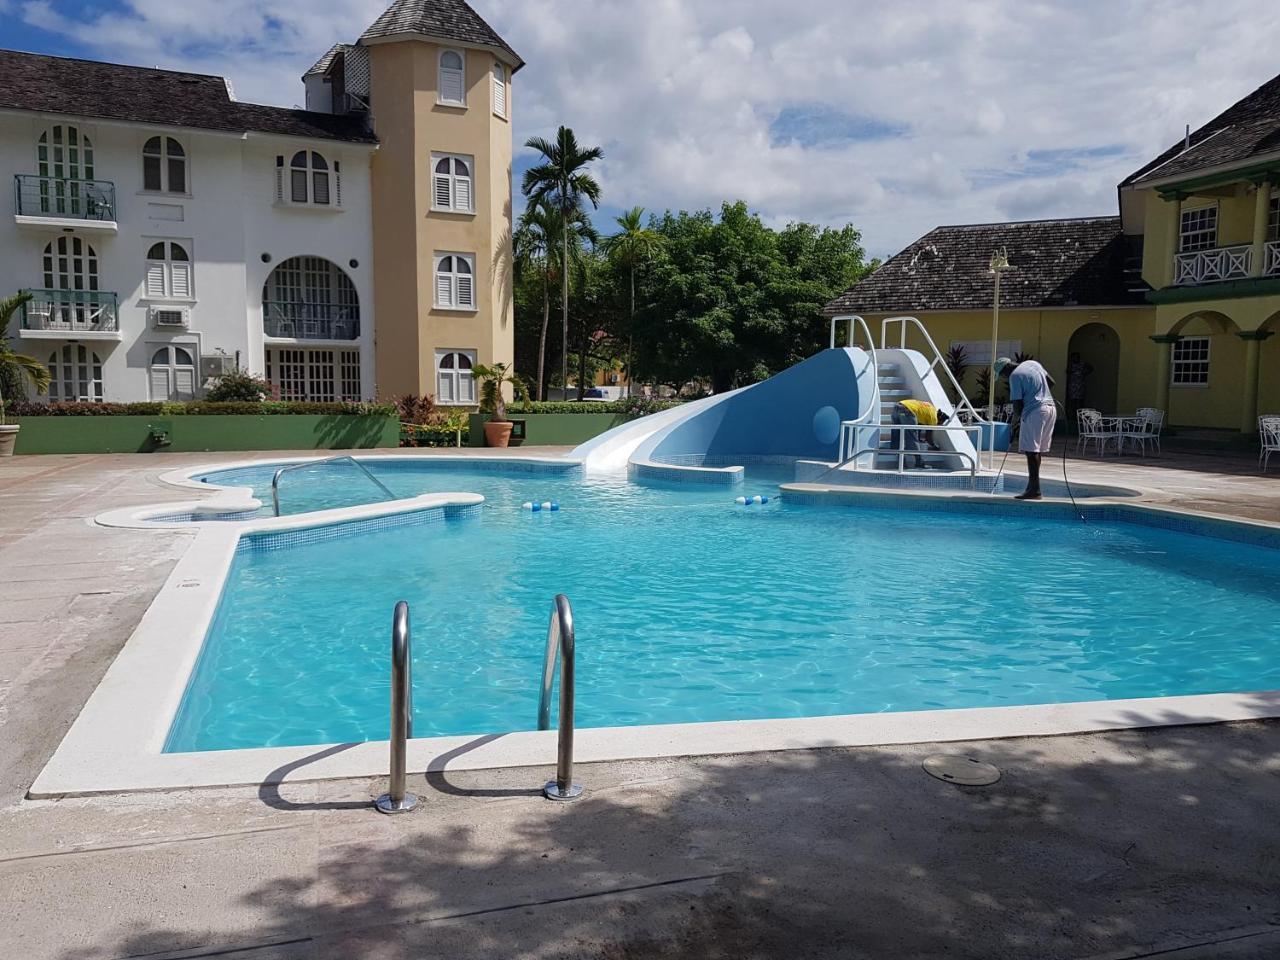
438	20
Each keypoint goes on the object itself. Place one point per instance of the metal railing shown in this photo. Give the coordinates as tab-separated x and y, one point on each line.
63	198
901	452
560	648
1213	265
1271	259
89	311
275	481
310	321
849	428
397	799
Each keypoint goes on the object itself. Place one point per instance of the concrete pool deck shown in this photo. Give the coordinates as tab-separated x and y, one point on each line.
1117	845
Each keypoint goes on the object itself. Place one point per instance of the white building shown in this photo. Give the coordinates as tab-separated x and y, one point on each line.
169	232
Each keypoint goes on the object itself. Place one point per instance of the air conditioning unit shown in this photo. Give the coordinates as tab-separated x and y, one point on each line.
217	366
170	316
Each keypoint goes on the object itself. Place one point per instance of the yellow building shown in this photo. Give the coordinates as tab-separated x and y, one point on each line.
437	82
1173	303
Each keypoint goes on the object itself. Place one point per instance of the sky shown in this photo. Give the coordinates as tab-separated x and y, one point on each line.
895	117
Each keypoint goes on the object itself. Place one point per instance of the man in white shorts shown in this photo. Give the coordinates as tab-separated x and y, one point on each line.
1030	389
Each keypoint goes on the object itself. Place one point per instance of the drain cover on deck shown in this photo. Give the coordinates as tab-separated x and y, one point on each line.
962	770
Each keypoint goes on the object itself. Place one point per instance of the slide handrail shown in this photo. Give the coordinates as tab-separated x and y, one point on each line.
864	419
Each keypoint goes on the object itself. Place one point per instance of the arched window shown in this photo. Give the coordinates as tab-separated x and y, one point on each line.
500	89
453	84
168	271
70	263
76	374
164	165
309	298
454	382
173	374
309	178
451	182
455	281
64	160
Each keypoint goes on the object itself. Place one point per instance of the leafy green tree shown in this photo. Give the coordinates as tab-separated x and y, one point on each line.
561	180
17	369
631	246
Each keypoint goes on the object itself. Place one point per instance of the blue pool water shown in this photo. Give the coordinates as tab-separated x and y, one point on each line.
690	607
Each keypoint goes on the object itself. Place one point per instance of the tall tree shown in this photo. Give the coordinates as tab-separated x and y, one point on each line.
632	245
562	181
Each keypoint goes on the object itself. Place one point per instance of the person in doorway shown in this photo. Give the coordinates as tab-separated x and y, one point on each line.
912	413
1035	412
1077	372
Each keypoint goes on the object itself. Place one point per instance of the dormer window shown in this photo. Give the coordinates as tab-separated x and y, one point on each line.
453	87
451	183
500	89
164	166
310	180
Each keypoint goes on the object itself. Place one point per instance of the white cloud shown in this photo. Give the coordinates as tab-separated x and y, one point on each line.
682	93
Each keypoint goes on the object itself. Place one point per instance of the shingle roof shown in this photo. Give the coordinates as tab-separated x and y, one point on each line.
1058	263
112	91
321	65
439	19
1248	128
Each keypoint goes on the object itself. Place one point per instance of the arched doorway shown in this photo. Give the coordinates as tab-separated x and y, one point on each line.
1099	348
310	298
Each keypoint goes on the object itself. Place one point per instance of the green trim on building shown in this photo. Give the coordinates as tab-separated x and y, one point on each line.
1257	171
1230	290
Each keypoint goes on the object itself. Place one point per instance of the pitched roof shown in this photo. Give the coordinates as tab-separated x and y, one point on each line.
112	91
323	64
440	20
1058	263
1248	128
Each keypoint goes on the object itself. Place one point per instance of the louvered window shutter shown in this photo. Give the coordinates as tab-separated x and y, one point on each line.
180	274
466	387
462	196
444	387
337	186
159	383
444	199
451	85
279	179
185	383
466	292
444	289
298	188
500	90
155	279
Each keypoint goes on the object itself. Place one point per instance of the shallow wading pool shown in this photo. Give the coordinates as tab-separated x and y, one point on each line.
690	607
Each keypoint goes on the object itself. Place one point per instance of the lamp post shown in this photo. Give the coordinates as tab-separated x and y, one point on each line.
998	266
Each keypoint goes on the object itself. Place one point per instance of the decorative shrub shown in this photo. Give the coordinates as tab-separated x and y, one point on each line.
195	408
239	386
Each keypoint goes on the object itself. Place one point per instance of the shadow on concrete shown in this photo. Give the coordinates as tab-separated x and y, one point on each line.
437	781
269	789
1122	844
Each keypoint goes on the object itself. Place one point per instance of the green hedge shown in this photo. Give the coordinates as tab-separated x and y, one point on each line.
198	408
635	407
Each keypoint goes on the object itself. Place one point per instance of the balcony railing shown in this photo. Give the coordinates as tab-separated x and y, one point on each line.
71	311
1213	265
1271	259
311	321
62	199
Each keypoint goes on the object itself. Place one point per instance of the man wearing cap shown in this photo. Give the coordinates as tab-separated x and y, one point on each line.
1030	389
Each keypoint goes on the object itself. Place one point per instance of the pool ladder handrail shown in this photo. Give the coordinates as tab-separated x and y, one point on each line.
560	647
275	481
396	799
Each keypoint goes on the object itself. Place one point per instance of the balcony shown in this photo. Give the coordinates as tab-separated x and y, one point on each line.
70	315
1220	264
291	320
58	203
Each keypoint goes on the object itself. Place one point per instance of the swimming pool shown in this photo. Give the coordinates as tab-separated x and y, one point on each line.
692	608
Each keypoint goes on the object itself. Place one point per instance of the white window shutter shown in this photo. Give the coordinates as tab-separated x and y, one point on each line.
466	387
466	292
444	290
451	85
279	184
463	195
185	385
159	383
337	186
443	198
500	90
444	388
181	279
155	279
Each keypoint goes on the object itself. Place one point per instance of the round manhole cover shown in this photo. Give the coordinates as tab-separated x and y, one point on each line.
962	770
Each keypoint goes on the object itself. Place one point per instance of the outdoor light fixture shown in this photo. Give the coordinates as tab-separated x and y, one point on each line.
999	265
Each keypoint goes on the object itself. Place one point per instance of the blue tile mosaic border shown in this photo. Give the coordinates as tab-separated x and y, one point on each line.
924	481
1094	513
254	542
188	517
244	476
684	474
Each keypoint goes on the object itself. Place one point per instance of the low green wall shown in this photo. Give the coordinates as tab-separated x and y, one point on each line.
187	434
551	429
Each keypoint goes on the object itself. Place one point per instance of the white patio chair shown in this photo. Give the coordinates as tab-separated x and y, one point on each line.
1092	426
1269	436
1147	431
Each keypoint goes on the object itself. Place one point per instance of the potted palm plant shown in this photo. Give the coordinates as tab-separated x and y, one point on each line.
16	369
497	429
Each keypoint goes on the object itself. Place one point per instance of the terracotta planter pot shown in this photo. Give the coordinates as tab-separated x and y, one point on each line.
9	438
497	434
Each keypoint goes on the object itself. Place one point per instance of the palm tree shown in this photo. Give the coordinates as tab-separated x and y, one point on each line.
632	244
562	181
536	248
17	368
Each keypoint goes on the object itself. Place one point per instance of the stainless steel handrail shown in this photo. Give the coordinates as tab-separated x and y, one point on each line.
275	481
560	647
871	416
396	799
